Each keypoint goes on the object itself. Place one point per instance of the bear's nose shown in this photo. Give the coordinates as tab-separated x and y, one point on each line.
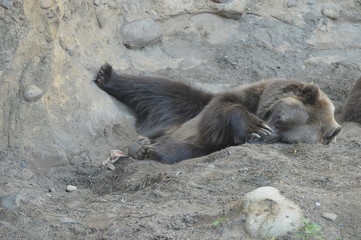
331	136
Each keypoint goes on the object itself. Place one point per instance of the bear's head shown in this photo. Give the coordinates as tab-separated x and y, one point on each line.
302	113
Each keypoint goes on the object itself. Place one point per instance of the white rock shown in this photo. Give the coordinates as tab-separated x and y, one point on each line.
269	214
141	33
46	3
331	11
70	188
33	93
96	2
329	216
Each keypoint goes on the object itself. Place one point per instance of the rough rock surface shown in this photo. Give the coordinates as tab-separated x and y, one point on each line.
62	138
269	214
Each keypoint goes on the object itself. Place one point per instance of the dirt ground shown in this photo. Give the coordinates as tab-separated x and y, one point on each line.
149	200
63	137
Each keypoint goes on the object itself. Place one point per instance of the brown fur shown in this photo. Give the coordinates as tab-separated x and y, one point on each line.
182	122
351	110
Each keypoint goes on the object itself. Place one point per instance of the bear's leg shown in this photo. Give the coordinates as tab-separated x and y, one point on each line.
164	150
226	122
171	152
157	103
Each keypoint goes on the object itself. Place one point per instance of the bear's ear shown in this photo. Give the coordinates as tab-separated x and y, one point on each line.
310	93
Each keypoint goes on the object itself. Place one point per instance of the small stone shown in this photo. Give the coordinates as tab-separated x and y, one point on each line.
233	9
317	204
33	93
52	189
9	202
141	33
331	11
45	4
96	2
292	3
70	188
329	216
6	3
23	165
220	1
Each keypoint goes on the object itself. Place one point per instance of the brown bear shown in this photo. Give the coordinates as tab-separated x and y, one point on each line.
180	122
351	111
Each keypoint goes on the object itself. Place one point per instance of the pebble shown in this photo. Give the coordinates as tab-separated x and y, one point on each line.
329	216
317	204
96	2
70	188
220	1
6	3
9	202
45	4
331	11
33	93
23	165
141	33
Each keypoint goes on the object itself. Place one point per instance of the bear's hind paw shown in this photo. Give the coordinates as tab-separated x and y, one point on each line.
139	148
103	74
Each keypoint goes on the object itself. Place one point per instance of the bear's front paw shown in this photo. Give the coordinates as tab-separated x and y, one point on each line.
259	128
138	149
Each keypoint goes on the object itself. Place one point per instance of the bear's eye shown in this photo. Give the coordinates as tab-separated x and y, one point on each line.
331	135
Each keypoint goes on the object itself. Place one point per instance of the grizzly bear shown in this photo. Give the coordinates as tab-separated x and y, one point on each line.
179	122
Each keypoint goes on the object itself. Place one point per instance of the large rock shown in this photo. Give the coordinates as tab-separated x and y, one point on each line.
141	33
269	214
